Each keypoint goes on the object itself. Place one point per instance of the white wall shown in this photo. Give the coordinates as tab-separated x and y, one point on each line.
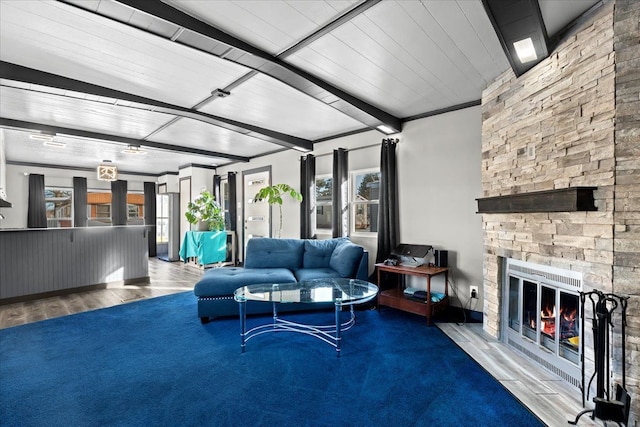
3	165
285	170
18	188
171	181
200	179
439	174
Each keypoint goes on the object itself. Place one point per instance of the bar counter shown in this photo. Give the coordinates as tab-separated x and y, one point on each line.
38	262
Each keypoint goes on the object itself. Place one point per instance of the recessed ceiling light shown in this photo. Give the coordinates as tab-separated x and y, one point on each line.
385	129
302	149
41	136
52	143
525	50
134	149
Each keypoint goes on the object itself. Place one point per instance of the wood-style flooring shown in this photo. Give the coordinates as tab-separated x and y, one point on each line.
551	399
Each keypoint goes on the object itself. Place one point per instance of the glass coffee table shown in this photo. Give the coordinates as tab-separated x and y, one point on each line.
340	292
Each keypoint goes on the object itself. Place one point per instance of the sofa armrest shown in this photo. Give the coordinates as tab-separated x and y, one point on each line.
363	269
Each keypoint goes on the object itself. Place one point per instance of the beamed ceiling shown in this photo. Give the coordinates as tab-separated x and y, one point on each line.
212	82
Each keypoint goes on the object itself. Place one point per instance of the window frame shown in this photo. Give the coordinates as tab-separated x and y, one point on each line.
224	202
353	202
139	215
319	203
93	220
71	208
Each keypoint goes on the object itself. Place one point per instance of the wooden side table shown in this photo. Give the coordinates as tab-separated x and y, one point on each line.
394	296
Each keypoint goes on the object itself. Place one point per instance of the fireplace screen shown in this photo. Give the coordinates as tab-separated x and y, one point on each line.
542	317
547	317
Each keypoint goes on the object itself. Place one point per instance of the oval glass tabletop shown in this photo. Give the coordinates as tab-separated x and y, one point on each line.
343	291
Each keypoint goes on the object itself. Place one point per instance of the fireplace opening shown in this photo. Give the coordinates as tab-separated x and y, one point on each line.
542	316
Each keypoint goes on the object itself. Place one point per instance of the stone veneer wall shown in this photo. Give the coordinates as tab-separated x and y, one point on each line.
570	121
626	235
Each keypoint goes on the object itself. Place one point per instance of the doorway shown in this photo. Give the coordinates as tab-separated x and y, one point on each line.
256	215
185	198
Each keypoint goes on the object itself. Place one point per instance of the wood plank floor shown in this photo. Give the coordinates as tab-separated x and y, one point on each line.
551	399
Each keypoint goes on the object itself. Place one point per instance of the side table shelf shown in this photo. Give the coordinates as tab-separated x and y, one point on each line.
394	296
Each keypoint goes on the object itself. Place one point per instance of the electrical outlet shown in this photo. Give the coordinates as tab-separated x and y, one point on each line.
474	291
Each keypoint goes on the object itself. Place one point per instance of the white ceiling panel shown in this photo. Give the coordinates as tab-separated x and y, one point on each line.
470	39
72	112
405	58
272	25
266	102
195	134
68	41
89	153
557	14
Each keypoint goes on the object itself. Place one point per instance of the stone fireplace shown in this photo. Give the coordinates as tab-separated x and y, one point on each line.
571	121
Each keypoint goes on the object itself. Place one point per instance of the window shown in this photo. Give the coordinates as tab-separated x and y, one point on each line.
324	205
59	204
224	204
135	208
365	200
162	218
98	208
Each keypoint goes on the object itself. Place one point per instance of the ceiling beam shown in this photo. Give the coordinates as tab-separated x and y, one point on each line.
252	57
22	74
516	20
32	126
321	32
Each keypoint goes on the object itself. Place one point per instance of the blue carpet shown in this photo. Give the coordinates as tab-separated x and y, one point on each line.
151	363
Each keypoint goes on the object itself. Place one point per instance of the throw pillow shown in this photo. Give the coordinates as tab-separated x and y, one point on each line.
346	258
317	253
266	252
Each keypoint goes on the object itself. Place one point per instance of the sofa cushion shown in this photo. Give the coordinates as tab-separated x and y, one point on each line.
225	280
345	258
315	273
317	253
264	252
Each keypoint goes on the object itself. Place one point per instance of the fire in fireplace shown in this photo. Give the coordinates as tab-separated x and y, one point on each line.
542	316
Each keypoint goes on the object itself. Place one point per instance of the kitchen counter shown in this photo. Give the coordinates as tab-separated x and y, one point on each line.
35	262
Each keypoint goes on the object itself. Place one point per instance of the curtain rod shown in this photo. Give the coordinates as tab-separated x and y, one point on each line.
353	149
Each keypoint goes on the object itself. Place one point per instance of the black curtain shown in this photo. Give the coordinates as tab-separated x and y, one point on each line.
119	202
217	194
150	215
79	201
340	199
37	209
307	189
233	209
388	216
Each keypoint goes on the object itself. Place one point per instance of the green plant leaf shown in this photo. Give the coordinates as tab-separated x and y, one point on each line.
273	195
205	208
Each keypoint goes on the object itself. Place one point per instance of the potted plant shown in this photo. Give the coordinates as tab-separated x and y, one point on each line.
206	211
273	195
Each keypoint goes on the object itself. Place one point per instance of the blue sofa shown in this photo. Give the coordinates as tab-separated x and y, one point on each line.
278	261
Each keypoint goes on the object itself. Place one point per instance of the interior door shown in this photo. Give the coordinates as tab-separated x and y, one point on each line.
257	215
185	198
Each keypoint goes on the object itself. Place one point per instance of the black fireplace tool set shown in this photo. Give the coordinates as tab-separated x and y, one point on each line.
606	408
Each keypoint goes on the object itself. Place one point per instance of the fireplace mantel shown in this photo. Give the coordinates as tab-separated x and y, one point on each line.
572	199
